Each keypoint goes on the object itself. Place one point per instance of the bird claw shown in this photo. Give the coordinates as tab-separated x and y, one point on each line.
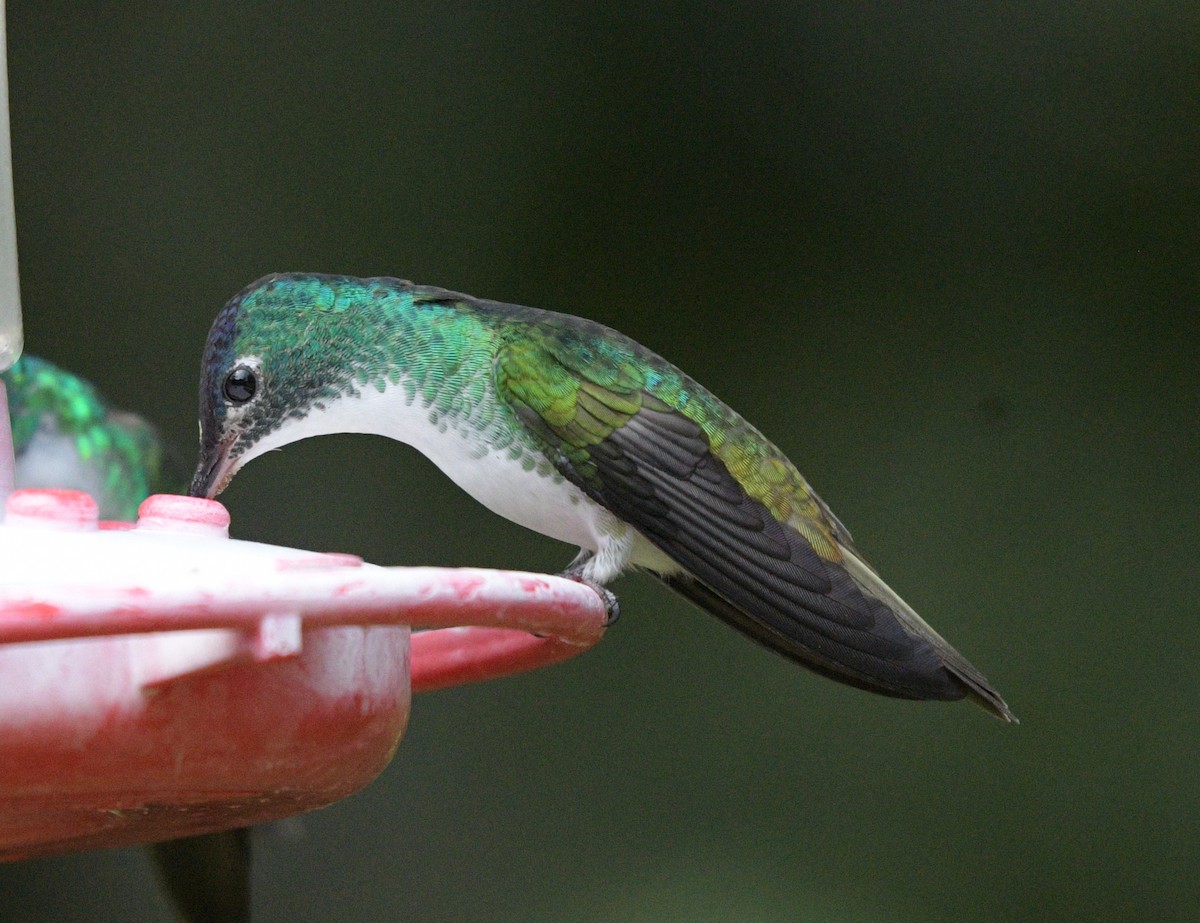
574	571
612	608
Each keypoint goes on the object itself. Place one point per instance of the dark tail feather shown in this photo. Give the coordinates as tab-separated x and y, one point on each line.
959	680
973	683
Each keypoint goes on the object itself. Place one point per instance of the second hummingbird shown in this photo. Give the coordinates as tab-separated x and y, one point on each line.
576	431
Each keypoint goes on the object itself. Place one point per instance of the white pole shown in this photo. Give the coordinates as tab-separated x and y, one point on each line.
11	338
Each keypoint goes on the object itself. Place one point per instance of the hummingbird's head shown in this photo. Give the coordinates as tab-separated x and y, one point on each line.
281	348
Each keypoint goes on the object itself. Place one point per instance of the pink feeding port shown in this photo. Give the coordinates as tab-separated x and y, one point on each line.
160	679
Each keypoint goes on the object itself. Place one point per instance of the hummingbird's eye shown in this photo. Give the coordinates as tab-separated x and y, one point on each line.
240	385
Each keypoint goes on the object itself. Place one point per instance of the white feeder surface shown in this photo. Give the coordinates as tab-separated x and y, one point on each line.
64	577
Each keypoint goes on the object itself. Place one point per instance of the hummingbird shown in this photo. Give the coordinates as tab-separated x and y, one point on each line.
66	435
573	430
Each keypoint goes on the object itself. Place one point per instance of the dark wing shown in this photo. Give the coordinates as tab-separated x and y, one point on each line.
791	585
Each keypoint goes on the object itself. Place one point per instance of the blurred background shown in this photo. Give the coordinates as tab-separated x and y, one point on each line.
944	255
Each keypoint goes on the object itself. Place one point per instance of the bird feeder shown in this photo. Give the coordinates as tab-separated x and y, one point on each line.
160	679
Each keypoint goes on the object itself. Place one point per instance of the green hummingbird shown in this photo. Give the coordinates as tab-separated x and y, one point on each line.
574	430
66	435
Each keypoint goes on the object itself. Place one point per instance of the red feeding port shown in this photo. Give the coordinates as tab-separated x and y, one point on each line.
164	680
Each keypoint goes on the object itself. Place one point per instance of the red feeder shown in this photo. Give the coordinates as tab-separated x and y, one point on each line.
163	680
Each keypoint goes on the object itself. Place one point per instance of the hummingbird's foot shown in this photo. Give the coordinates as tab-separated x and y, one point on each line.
612	608
575	571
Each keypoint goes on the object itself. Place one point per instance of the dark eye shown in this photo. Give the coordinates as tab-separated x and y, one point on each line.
240	385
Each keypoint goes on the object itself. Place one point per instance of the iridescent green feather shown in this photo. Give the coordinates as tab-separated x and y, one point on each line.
121	450
328	336
584	387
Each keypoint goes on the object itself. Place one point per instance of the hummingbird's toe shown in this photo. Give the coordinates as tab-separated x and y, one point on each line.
575	571
612	608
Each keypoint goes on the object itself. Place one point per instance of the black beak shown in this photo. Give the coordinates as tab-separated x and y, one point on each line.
214	470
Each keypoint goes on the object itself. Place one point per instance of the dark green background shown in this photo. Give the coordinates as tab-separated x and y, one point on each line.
945	254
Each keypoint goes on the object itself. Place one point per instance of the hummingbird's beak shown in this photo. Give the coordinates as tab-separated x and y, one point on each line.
214	471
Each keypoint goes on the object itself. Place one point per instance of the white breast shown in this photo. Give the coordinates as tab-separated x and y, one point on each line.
541	501
52	460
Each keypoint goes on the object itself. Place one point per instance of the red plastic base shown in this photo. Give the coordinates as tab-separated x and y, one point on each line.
245	745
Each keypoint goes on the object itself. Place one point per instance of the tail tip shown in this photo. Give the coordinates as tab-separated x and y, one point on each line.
991	702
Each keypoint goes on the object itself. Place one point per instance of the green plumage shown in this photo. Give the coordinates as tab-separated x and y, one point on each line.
66	435
585	381
333	336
